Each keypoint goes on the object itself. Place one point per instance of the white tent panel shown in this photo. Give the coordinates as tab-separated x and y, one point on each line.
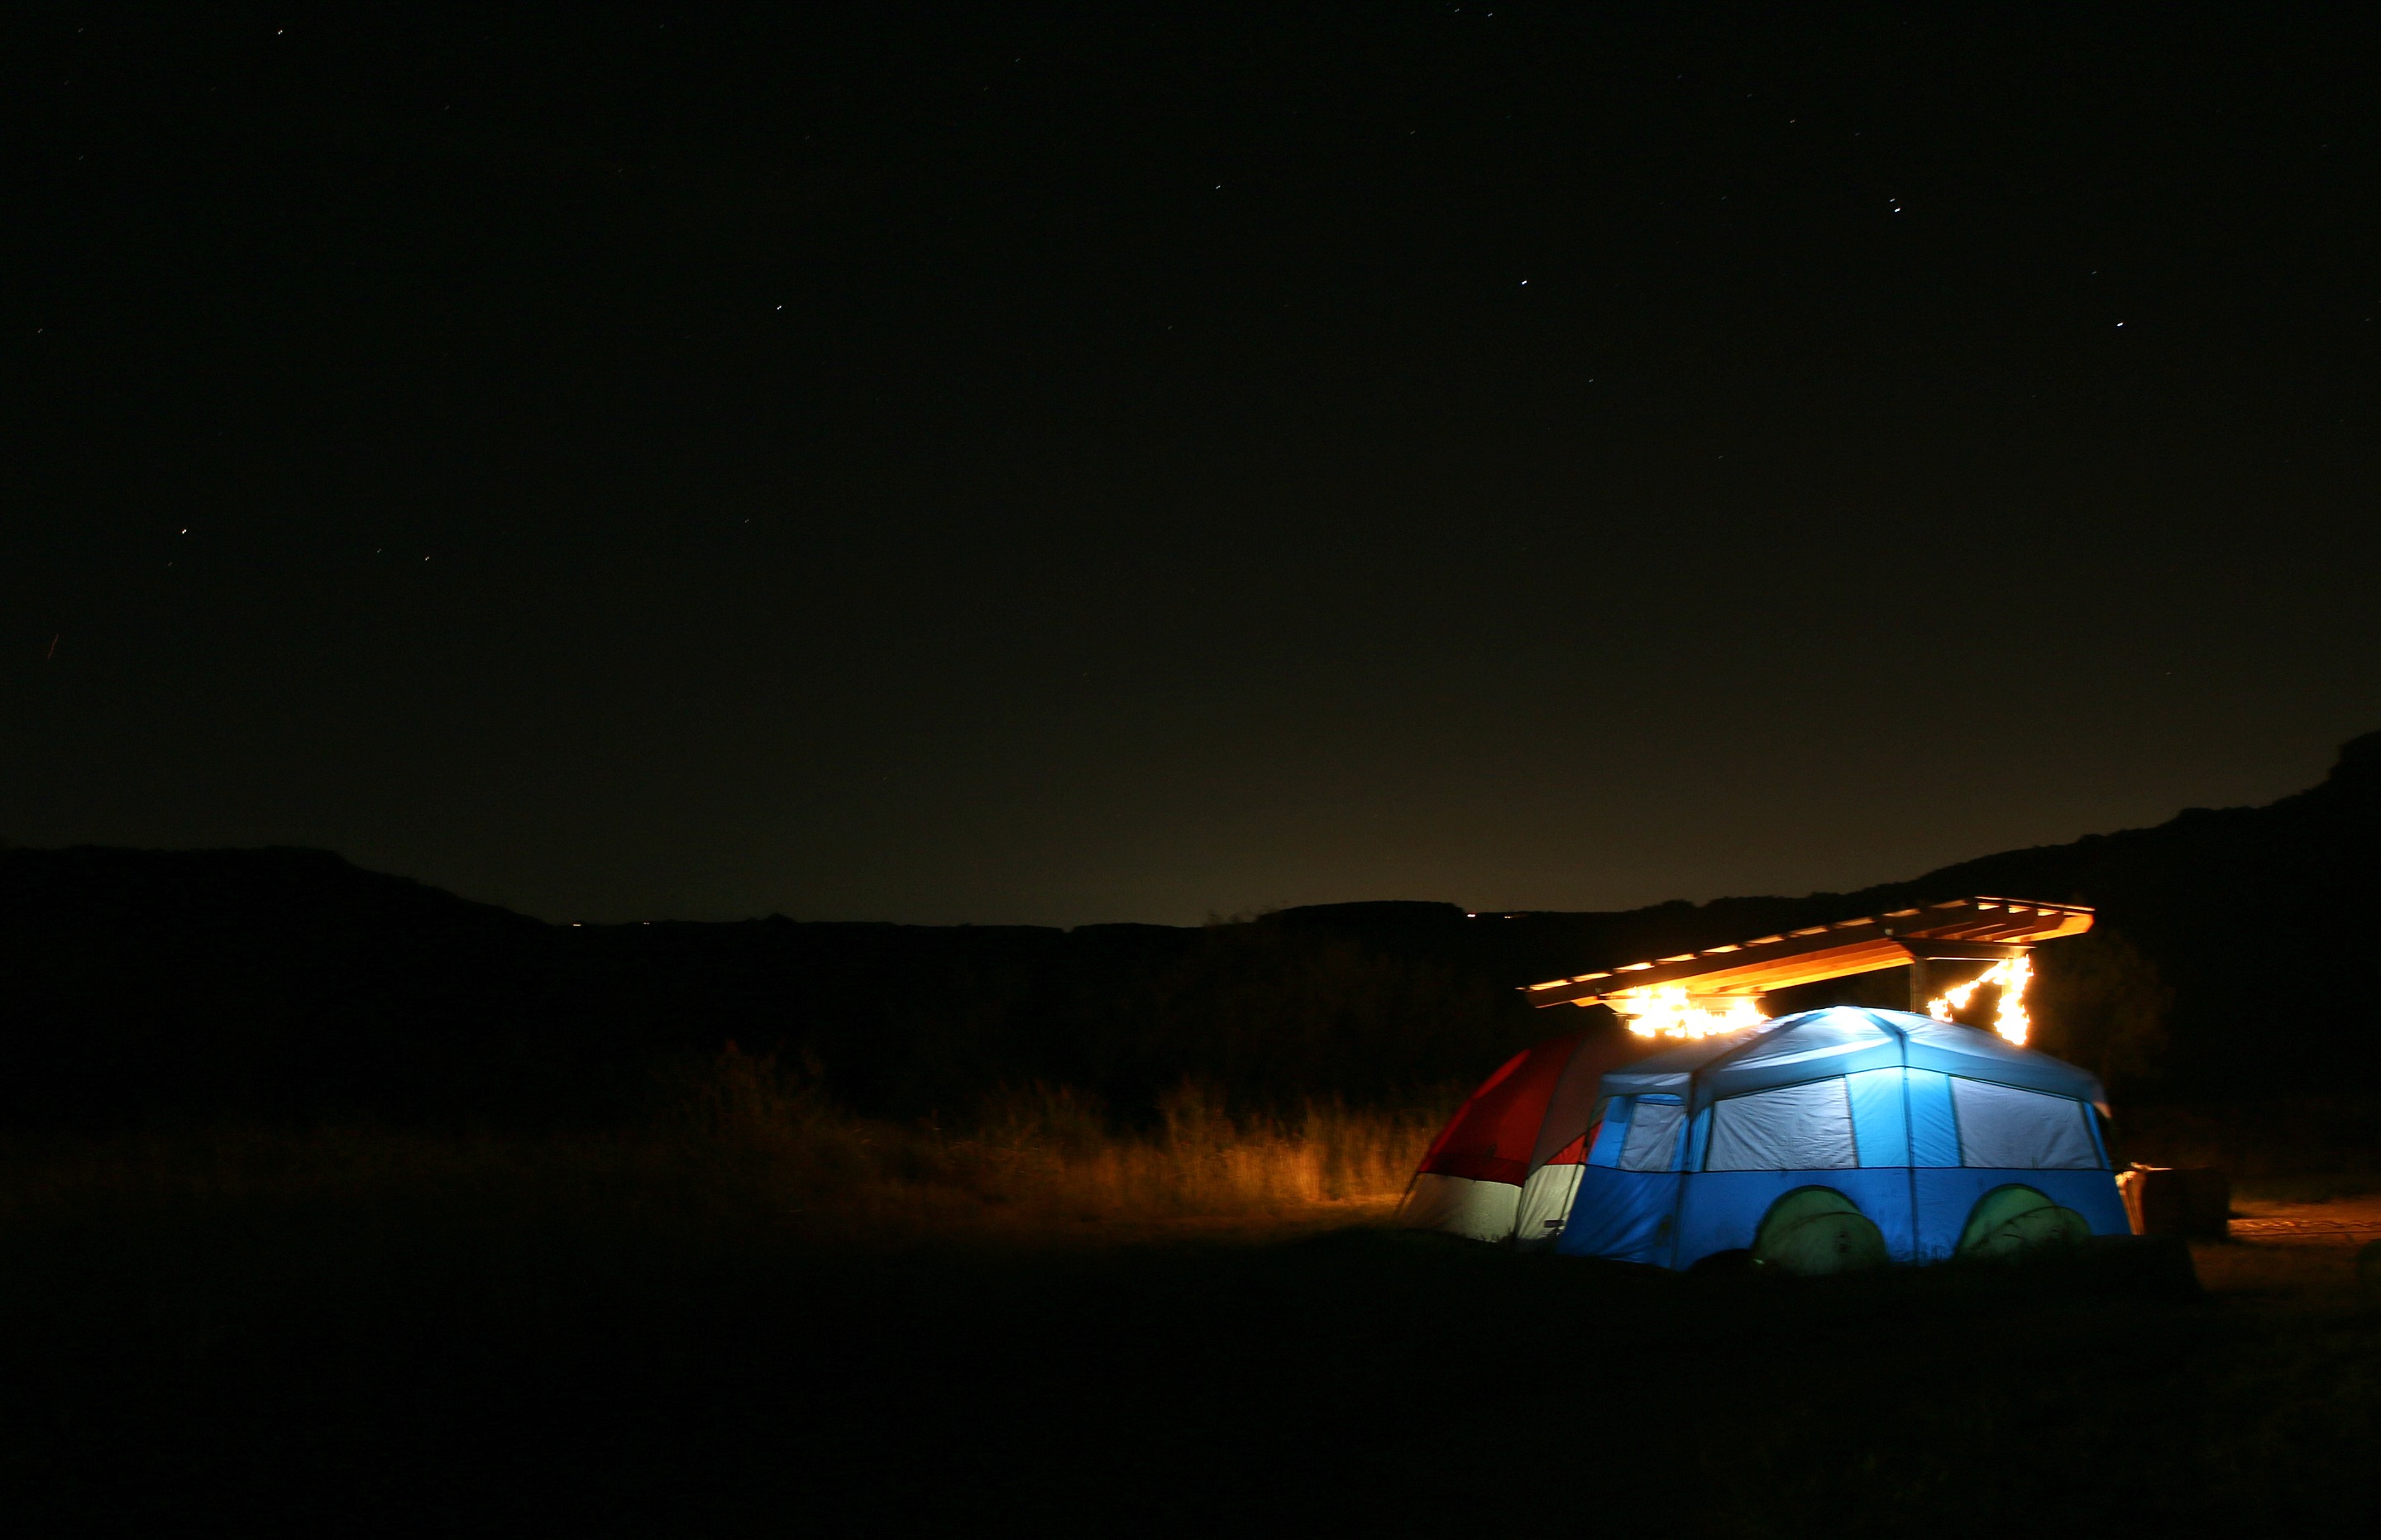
1793	1128
1653	1143
1460	1206
1545	1202
2002	1127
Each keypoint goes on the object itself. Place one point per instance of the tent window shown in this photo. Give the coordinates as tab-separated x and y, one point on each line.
2002	1128
1794	1128
1653	1135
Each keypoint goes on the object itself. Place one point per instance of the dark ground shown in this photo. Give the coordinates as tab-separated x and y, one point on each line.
521	1346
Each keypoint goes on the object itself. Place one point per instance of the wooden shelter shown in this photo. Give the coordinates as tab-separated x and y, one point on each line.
1956	930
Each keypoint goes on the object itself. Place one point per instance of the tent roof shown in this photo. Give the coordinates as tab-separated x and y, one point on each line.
1493	1133
1843	1039
1983	929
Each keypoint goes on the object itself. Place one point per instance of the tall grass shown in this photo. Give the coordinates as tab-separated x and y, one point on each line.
1042	1158
741	1139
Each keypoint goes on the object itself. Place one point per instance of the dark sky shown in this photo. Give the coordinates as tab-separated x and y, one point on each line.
1060	465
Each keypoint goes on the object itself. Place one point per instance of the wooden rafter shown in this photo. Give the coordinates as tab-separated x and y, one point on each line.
1995	927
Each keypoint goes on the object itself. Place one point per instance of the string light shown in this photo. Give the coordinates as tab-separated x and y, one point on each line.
1667	1010
2009	1018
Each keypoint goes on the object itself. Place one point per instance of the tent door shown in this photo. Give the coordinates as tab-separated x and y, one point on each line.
1546	1203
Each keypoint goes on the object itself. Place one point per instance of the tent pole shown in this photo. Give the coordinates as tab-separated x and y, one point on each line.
1920	989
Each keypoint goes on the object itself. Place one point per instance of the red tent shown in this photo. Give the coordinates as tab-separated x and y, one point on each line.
1508	1162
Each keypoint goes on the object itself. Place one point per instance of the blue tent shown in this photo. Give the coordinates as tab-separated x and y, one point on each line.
1927	1128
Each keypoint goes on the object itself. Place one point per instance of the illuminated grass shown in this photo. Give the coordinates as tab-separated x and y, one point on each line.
1045	1159
744	1141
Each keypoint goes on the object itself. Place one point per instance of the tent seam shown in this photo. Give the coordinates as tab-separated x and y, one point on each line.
1909	1151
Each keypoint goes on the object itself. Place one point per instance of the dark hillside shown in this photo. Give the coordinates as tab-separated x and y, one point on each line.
141	982
2261	920
2257	920
914	1020
141	985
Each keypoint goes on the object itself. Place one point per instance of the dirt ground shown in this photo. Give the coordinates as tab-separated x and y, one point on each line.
527	1350
2292	1250
2338	1222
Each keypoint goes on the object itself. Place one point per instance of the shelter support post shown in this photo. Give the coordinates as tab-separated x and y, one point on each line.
1925	955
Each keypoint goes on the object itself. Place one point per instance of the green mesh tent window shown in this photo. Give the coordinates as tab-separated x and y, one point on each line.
2012	1221
1816	1230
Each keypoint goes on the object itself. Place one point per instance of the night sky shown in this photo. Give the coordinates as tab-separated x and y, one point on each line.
1063	465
